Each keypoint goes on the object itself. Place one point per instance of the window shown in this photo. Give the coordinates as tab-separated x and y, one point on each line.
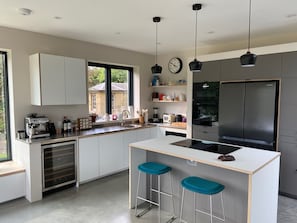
112	86
93	102
5	150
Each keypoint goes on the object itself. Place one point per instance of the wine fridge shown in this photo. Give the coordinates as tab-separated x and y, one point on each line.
59	164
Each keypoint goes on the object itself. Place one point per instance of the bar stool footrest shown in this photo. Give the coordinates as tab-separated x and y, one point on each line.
207	213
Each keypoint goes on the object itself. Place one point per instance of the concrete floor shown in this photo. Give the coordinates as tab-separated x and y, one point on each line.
101	201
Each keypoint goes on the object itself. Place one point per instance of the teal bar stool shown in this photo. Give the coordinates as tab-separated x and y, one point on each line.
154	169
206	187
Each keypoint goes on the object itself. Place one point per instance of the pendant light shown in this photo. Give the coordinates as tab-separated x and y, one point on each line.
156	69
196	65
248	59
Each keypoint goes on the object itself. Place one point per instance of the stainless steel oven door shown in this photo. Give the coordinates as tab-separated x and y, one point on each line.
59	164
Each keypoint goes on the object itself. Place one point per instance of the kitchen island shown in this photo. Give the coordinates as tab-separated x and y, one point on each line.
251	181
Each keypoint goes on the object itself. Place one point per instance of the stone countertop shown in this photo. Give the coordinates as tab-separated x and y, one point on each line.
86	133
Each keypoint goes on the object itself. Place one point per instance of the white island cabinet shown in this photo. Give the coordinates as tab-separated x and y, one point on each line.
57	80
251	181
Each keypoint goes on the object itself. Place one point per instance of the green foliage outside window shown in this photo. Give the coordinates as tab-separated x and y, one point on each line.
97	76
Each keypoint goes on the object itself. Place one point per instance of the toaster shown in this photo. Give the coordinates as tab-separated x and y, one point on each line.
168	118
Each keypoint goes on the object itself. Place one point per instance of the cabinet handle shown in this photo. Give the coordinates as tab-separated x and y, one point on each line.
205	131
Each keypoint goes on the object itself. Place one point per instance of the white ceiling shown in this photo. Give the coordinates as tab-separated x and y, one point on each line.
128	23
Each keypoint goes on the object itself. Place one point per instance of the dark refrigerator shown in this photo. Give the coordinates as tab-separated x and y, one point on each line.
248	113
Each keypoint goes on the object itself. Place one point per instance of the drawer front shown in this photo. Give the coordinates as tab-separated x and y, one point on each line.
208	129
288	170
210	133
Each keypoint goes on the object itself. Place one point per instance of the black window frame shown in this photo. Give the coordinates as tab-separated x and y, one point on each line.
108	90
6	107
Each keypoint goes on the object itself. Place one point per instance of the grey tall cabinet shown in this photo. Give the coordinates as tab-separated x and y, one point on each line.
281	66
288	125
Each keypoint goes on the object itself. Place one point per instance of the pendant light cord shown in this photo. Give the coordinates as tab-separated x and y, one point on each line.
156	42
196	35
249	39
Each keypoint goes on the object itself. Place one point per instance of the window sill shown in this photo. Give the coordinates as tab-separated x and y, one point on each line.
9	168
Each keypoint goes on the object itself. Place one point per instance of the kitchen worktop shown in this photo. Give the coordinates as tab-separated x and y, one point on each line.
86	133
175	125
247	160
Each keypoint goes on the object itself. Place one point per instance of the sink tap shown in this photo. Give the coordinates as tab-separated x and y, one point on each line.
125	115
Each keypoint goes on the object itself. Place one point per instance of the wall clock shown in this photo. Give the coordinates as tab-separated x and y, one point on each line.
175	65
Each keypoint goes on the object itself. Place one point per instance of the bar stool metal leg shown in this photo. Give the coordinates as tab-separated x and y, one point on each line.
195	207
137	191
222	203
210	206
159	198
173	209
181	206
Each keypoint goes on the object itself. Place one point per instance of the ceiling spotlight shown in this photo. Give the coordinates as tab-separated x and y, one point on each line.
25	11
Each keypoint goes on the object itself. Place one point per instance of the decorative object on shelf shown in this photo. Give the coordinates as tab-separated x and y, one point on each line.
196	65
175	65
84	123
156	80
156	69
248	59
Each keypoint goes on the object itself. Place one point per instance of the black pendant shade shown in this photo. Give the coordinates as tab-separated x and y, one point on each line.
195	65
248	59
156	69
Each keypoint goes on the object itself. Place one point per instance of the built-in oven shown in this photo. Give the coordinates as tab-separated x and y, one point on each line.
59	164
174	133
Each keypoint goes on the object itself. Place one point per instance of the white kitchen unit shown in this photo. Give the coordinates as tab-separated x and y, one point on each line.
111	153
12	186
106	154
128	137
75	81
88	158
57	80
251	181
29	156
12	181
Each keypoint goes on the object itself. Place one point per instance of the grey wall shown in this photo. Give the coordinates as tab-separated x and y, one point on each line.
20	44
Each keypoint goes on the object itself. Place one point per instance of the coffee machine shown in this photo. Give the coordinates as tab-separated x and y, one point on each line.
156	115
36	126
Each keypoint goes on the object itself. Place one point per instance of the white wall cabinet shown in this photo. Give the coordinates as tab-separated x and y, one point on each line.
88	158
57	80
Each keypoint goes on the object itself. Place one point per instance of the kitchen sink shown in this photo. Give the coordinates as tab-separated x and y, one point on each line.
116	128
129	126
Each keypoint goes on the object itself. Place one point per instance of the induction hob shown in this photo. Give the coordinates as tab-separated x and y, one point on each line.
206	146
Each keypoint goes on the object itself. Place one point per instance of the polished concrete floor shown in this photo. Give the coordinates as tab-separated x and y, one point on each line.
101	201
